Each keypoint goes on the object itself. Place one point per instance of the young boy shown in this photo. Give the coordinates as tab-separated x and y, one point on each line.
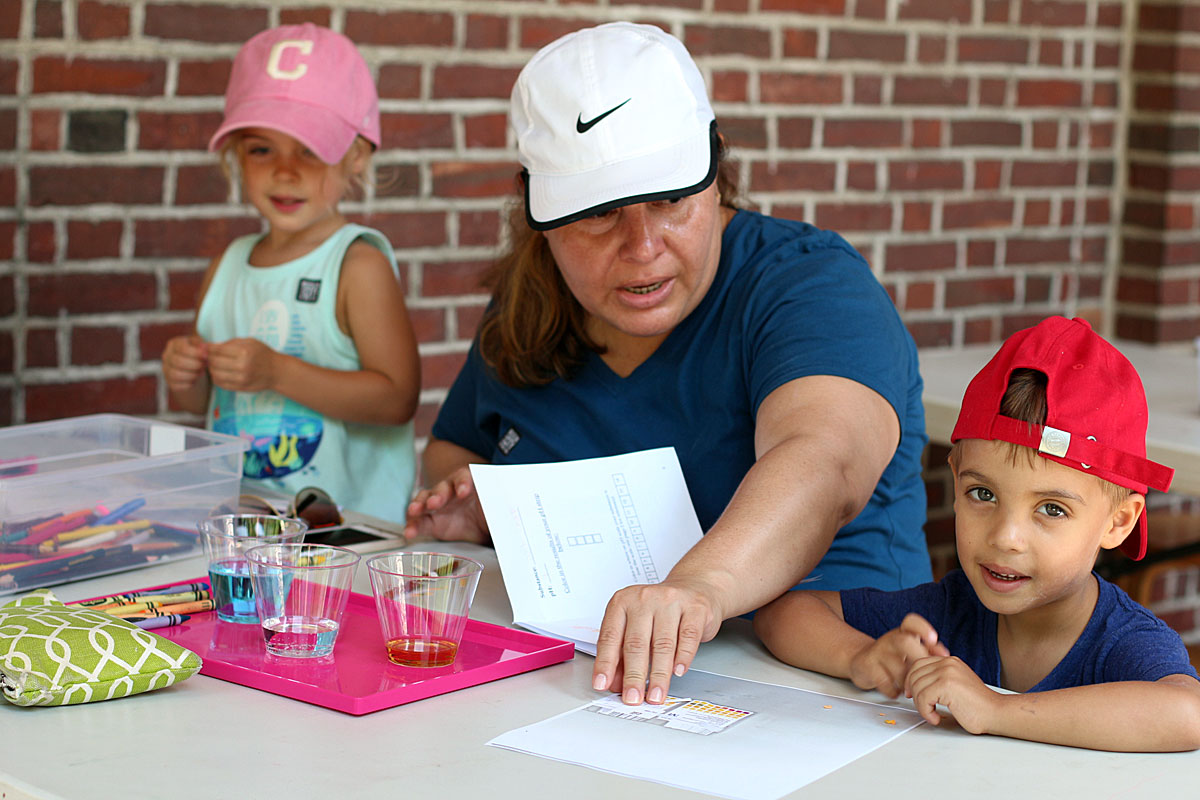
1049	465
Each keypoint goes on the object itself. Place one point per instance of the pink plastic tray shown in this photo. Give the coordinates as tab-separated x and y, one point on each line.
358	678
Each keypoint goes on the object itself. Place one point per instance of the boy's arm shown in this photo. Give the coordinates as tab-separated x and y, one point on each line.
1130	716
386	388
806	629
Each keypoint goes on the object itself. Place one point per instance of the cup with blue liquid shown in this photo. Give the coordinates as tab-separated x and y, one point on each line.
301	591
227	537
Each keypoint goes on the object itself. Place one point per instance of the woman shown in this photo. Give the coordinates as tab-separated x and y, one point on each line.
636	308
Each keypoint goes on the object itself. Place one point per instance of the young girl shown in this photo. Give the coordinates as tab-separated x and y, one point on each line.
302	342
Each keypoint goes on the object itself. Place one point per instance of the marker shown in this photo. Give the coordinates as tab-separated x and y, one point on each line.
149	623
96	530
120	511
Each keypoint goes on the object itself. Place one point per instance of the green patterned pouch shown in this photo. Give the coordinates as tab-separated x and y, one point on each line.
52	654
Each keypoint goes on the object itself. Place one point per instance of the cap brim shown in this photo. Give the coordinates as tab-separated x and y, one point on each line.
685	168
324	133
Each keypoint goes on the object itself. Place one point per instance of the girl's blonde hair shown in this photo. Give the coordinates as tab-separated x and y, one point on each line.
533	330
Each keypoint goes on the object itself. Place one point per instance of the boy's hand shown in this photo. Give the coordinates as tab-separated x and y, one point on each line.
884	664
184	360
449	511
242	365
947	680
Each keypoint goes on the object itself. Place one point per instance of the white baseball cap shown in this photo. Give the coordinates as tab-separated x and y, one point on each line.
609	116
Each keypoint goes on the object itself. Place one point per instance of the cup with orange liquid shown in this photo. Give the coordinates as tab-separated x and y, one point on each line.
423	601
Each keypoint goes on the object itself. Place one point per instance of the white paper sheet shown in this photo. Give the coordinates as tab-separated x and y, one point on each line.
570	534
771	741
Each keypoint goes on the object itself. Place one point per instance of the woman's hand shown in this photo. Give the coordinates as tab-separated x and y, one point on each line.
651	632
448	511
885	664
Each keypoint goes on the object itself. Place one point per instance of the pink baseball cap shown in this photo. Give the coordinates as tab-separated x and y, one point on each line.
306	81
1096	411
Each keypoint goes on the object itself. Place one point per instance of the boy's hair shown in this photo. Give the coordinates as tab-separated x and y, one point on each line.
1088	413
1025	400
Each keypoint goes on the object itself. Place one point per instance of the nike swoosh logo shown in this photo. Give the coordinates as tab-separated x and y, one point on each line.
584	127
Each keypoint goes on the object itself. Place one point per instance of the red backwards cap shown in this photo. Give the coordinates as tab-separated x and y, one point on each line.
1095	409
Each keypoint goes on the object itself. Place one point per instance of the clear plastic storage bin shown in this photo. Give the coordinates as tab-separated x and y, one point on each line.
103	493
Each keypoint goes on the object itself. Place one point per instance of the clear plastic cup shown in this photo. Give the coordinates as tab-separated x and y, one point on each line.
226	539
423	600
301	591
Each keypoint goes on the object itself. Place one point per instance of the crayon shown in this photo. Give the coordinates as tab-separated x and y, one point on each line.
195	607
99	559
102	603
149	623
120	512
95	530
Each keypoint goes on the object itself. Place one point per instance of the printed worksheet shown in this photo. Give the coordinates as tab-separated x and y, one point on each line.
570	534
719	735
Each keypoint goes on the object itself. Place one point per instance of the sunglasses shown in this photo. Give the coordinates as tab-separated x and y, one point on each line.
310	504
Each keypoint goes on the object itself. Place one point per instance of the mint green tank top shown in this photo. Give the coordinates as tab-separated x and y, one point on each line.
291	308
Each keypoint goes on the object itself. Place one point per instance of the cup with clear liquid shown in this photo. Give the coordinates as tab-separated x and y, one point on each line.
301	591
226	539
423	600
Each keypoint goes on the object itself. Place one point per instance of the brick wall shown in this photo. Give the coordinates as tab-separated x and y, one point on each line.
995	160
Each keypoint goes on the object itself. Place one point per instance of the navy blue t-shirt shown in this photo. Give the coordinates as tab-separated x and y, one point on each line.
1122	641
788	301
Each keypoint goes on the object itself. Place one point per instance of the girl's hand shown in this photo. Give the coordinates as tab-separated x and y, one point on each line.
947	680
242	365
885	663
449	511
184	360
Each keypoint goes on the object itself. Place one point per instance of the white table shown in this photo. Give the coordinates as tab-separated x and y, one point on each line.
1169	375
206	739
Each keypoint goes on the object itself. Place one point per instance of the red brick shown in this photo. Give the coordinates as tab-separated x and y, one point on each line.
917	216
416	131
8	297
919	296
399	80
1045	134
485	130
94	239
730	86
468	318
41	348
200	184
92	345
854	216
45	129
117	395
1044	173
298	16
1098	211
8	186
429	324
706	40
199	23
977	214
184	238
861	175
153	337
467	80
731	6
183	289
486	32
536	32
413	229
8	129
478	228
795	132
909	90
8	235
8	76
1053	13
446	279
472	178
1038	251
931	49
94	20
202	78
400	28
800	43
90	293
919	175
926	133
745	133
867	90
439	370
983	132
1164	138
48	19
1066	213
10	22
98	76
1110	15
1104	95
1106	55
871	9
40	246
1037	213
863	133
176	130
992	50
993	92
922	257
979	291
867	46
1050	93
1101	173
73	186
1037	289
936	10
7	352
932	333
790	176
1050	52
979	331
799	88
834	8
